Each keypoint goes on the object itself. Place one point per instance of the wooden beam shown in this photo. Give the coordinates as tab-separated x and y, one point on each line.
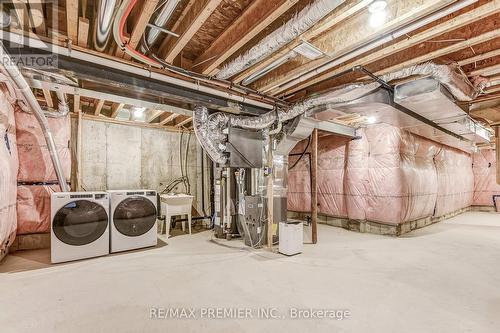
134	123
257	16
314	185
168	119
492	89
83	32
37	17
488	70
76	103
98	107
72	20
146	11
198	14
327	23
116	108
48	98
348	37
467	18
184	122
479	57
444	51
153	115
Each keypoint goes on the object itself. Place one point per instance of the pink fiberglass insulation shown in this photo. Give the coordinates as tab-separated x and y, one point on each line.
356	177
401	182
35	164
331	169
299	185
455	180
8	170
485	184
33	206
386	175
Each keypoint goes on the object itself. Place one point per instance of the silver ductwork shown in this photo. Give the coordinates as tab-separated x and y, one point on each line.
302	21
103	23
449	76
430	99
23	87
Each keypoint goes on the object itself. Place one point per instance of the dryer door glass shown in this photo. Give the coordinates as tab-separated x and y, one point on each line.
134	216
80	222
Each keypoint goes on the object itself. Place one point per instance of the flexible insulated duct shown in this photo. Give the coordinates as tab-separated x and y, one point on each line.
302	21
160	21
103	23
23	87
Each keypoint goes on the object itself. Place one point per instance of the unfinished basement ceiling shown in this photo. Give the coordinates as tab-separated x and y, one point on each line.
208	35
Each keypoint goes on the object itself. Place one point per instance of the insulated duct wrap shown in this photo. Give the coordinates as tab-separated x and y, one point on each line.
448	75
280	37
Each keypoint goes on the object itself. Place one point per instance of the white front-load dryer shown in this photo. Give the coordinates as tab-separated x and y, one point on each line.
79	225
132	219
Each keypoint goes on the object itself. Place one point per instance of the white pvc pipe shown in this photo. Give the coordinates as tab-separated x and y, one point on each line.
401	32
23	86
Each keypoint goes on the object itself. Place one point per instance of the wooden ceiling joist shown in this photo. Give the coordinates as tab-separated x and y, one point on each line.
72	20
479	57
194	19
462	20
37	17
444	51
327	23
98	107
184	122
254	19
83	32
116	108
146	11
48	98
153	114
490	70
168	118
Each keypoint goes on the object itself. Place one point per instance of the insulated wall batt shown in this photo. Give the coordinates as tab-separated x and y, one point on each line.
455	180
8	171
485	184
35	164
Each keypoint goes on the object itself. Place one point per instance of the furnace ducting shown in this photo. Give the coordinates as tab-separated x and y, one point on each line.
302	21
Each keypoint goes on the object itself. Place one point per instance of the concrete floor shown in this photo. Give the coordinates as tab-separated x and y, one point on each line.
444	278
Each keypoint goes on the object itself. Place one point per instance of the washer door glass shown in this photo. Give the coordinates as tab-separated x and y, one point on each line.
80	222
134	216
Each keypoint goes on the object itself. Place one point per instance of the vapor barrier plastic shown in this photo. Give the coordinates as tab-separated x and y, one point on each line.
485	184
388	175
35	163
8	170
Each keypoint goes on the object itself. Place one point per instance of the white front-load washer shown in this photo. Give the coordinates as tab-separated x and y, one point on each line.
132	219
79	225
